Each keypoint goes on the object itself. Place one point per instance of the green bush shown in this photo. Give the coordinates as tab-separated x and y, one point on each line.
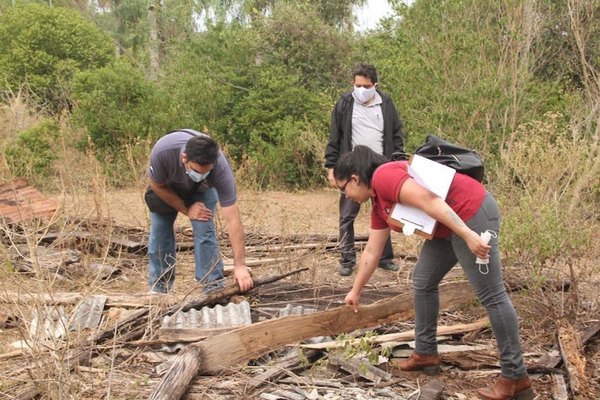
42	48
284	128
545	216
206	77
33	152
120	111
116	104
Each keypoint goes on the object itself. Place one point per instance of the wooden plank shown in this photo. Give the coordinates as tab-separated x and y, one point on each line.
291	361
19	202
403	336
553	358
559	388
221	352
569	343
12	186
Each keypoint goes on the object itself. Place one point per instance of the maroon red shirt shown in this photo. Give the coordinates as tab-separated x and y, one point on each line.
464	197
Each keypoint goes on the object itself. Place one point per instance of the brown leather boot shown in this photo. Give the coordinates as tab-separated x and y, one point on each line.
429	364
508	389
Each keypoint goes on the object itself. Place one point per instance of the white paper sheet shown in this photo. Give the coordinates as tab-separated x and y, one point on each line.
435	177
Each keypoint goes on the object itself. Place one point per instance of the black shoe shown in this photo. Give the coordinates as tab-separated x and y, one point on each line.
389	266
345	270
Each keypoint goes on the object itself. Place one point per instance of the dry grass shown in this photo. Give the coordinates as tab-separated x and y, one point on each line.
88	203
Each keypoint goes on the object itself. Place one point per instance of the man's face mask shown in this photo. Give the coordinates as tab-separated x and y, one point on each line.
363	95
197	176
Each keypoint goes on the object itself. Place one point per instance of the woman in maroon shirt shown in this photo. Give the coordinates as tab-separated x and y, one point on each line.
467	211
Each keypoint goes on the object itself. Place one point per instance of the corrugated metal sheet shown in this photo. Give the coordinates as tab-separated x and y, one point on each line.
19	202
88	313
295	310
231	315
49	322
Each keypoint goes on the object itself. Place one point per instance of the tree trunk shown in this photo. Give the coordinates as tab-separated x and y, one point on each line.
153	10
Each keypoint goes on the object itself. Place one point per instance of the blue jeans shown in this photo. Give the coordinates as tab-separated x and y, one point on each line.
161	248
437	257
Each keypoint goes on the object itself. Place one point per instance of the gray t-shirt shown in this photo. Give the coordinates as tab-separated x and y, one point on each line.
167	168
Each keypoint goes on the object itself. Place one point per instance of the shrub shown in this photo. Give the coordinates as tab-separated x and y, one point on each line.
33	151
116	104
121	111
284	128
543	163
42	47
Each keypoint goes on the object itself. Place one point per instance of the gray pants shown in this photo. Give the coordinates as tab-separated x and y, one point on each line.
437	257
348	211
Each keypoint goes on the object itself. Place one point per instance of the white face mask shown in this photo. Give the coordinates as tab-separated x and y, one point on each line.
196	176
363	95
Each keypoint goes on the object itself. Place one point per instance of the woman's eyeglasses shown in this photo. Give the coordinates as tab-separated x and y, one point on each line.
343	188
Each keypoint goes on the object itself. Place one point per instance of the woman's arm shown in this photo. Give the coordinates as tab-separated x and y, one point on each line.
415	195
367	264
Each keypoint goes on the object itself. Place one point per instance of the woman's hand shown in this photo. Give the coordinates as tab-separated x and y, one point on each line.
352	300
477	245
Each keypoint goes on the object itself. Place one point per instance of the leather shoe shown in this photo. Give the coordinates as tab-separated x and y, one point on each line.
389	266
345	270
508	389
428	363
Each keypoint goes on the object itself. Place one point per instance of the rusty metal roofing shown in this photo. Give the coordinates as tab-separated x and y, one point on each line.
232	315
19	202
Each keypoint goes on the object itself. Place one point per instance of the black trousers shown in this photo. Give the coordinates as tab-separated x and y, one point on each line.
348	212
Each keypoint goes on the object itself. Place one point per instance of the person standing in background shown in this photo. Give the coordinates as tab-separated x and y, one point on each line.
364	116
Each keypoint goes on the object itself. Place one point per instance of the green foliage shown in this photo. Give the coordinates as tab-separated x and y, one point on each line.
285	127
545	214
116	104
363	346
462	70
261	92
119	108
33	152
43	47
298	39
207	77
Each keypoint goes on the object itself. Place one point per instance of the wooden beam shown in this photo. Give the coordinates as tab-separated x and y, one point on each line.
216	354
403	336
569	342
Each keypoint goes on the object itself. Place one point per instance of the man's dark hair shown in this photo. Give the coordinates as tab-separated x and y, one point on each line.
202	150
366	70
361	161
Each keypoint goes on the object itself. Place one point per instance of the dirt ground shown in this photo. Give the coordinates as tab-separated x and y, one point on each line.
267	215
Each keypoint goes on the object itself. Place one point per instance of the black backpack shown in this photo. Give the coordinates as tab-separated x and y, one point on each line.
464	161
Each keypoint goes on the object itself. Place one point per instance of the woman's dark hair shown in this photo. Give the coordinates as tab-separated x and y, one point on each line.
202	149
361	161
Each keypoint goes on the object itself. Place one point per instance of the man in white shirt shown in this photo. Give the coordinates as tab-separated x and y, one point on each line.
364	116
